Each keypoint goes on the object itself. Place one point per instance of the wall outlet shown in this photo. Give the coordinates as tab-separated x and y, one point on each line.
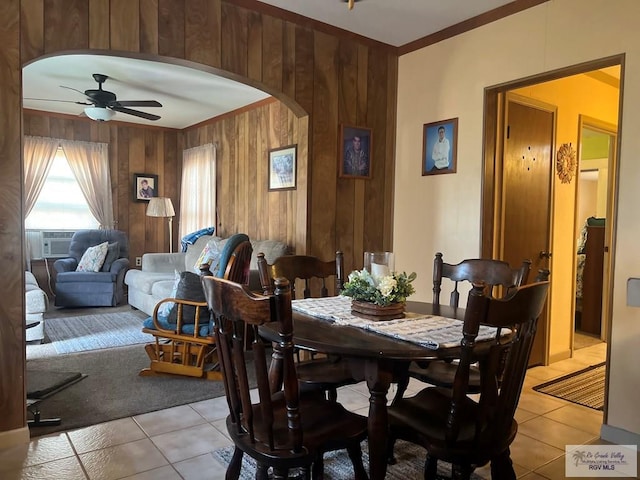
138	261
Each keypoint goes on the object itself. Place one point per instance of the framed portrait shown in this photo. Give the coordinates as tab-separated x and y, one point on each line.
354	155
440	147
145	186
282	168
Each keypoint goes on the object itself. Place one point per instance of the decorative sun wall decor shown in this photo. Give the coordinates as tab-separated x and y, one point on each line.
566	163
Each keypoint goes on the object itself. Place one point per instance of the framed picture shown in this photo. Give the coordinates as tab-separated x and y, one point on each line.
440	147
354	152
282	168
145	186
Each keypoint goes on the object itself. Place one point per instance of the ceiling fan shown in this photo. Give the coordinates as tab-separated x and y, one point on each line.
104	104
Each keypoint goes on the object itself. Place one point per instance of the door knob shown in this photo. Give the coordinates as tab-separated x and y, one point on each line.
544	254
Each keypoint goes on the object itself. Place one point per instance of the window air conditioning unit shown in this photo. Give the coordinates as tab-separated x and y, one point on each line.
55	244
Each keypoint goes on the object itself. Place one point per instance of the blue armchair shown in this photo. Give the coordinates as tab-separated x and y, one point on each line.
102	288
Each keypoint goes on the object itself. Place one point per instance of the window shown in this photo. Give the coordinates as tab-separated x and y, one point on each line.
198	198
61	204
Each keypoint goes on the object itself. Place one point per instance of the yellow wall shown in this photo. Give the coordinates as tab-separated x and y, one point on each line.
573	96
442	212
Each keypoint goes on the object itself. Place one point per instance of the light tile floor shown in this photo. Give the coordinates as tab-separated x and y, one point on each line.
176	443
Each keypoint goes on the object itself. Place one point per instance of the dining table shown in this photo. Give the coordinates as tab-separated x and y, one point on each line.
377	352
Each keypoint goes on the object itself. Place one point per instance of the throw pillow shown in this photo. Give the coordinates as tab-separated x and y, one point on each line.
113	253
165	308
189	288
210	255
93	258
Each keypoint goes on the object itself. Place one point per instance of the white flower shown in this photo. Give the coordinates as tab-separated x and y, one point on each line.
386	285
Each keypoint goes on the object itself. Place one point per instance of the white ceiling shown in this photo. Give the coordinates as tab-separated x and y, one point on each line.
395	22
191	96
187	96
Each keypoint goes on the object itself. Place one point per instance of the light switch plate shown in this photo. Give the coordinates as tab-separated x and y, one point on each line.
633	292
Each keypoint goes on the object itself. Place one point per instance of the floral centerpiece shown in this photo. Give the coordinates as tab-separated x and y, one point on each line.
378	297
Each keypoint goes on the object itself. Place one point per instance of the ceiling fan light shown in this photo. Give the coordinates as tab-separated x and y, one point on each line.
99	114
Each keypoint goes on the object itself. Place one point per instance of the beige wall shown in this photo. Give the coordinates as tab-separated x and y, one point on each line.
442	213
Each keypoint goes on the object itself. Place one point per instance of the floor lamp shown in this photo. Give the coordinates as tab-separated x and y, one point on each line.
162	207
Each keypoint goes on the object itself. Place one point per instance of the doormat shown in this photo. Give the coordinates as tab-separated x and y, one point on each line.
42	384
584	387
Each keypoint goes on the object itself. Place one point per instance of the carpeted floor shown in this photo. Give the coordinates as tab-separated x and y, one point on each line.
584	387
112	388
337	465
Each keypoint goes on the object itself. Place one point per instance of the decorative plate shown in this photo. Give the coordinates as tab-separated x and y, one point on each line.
566	163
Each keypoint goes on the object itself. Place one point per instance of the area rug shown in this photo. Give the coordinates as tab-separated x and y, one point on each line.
94	332
337	465
584	387
112	388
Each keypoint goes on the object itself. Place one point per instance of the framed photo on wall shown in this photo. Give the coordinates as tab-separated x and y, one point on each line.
145	186
354	152
282	168
440	147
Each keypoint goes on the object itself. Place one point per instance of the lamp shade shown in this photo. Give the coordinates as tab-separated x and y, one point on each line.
99	114
160	207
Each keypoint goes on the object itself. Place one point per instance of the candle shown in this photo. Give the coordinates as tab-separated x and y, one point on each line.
379	270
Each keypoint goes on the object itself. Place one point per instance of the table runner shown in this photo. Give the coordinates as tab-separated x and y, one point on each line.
430	331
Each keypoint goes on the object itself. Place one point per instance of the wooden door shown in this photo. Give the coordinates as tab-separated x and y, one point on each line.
526	197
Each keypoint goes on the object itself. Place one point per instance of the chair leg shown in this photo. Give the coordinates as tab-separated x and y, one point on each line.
401	387
262	472
355	454
317	469
391	443
233	470
430	468
332	394
463	472
278	474
502	466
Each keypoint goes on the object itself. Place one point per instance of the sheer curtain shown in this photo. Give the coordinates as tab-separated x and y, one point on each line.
39	153
198	191
89	163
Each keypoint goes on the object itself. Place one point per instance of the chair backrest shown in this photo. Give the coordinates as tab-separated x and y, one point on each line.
234	308
519	312
491	273
313	271
83	239
234	259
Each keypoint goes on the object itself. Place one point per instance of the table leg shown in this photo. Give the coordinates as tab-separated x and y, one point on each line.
378	374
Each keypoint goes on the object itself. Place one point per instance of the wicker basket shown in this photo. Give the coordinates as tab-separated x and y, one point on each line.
372	311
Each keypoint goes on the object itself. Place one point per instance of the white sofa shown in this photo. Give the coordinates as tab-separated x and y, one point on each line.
155	280
36	304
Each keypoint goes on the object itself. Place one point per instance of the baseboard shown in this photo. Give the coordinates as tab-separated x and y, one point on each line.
557	357
12	438
619	436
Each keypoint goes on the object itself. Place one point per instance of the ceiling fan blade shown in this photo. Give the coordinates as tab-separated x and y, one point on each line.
74	89
53	100
135	113
136	103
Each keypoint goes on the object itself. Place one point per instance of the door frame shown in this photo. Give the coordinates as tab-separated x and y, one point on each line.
612	189
494	100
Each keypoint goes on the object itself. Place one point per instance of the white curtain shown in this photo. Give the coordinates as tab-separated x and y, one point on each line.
198	191
39	153
89	163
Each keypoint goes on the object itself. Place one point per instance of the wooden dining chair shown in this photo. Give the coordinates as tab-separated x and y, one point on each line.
280	428
185	345
327	373
457	429
497	277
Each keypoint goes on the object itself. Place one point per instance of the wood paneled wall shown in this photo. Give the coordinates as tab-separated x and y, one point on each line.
245	203
327	80
132	149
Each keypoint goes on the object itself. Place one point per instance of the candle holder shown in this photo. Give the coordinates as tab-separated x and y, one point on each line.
379	264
